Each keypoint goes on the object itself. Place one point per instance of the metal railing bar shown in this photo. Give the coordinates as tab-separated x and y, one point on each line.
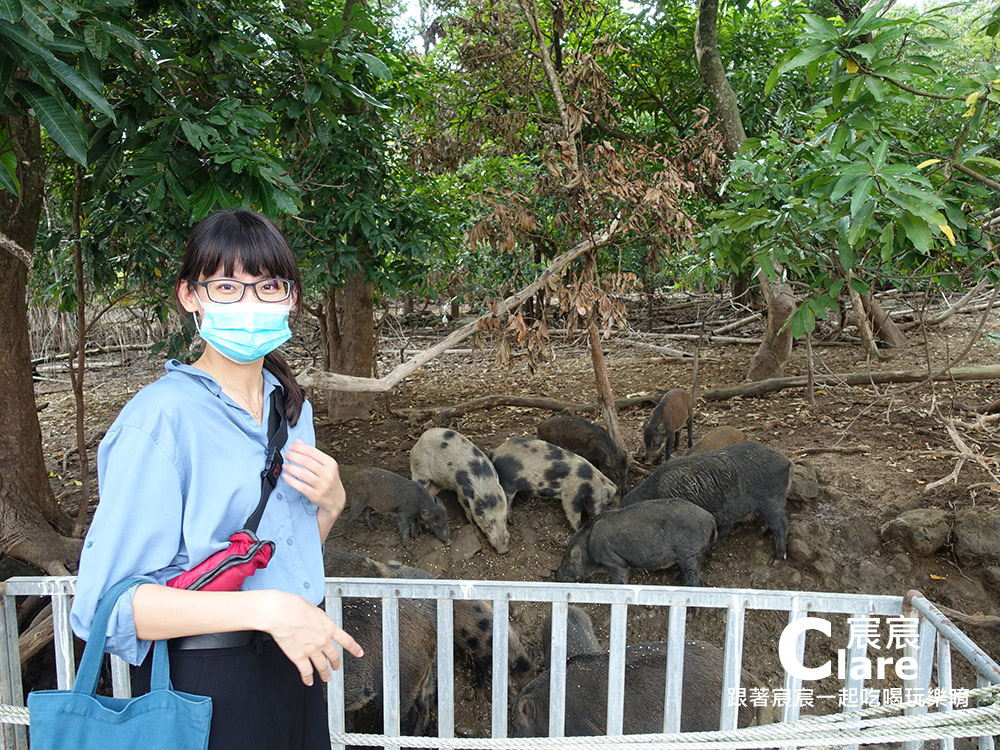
63	639
390	666
792	684
121	678
557	671
985	740
985	665
854	684
735	619
499	694
944	683
601	593
445	668
616	669
335	687
13	736
673	692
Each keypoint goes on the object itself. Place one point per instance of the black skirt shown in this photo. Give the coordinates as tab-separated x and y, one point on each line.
258	699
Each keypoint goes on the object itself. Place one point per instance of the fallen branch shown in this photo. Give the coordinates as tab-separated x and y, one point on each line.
976	621
832	449
35	638
934	320
336	381
762	387
439	416
964	453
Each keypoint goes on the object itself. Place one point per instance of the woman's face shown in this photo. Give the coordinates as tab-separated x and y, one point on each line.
192	295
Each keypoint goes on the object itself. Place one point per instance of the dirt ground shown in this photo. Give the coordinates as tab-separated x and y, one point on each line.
874	448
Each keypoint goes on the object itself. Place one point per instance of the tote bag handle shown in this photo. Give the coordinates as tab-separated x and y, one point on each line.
93	652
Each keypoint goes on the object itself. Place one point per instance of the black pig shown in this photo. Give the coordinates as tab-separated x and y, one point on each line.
645	670
731	483
649	535
580	637
383	491
588	440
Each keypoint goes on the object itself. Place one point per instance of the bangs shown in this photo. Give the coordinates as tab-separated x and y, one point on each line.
238	238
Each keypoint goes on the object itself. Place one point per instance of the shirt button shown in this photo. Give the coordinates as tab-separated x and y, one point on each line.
279	496
305	585
290	541
89	545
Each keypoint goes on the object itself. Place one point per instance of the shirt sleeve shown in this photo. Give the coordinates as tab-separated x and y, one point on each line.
136	531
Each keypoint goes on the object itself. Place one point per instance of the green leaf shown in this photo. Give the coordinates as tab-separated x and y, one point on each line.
81	87
860	195
62	125
881	152
6	69
860	223
917	232
876	87
839	139
8	168
847	179
859	285
376	67
809	54
886	241
10	10
985	161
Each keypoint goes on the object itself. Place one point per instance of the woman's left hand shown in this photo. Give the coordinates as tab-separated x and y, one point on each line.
316	475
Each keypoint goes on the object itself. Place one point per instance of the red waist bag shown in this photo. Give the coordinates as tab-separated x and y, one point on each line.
227	569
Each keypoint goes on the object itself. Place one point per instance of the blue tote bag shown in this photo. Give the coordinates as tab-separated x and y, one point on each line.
79	719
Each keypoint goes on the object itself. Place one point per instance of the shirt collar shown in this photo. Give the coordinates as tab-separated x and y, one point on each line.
173	365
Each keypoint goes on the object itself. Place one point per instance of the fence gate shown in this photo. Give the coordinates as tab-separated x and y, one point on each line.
931	699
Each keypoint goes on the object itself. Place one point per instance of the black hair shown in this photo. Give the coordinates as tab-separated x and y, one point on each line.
238	236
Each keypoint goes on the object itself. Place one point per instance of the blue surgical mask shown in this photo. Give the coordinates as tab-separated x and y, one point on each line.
245	331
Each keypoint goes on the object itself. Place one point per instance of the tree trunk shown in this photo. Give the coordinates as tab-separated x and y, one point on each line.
776	345
349	345
713	73
884	328
605	397
30	518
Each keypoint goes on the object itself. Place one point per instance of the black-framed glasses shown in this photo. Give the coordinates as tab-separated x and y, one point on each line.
228	291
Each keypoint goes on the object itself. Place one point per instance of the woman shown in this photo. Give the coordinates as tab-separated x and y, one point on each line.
180	470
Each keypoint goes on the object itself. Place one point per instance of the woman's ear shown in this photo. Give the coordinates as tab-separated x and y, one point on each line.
186	294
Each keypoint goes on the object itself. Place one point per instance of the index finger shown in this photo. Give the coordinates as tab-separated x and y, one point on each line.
344	639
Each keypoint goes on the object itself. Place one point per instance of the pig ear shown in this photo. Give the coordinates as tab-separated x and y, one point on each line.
424	513
526	707
575	554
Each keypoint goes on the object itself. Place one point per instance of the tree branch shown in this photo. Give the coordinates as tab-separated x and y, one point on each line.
6	243
337	381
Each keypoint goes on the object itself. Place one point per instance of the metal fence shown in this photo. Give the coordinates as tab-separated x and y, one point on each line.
936	640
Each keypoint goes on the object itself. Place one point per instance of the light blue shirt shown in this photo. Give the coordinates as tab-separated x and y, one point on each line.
179	471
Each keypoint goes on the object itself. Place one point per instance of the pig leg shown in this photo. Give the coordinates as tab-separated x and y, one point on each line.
775	519
691	568
690	431
618	568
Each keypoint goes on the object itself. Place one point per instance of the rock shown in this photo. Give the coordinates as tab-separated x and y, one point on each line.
861	536
804	484
870	575
464	544
825	567
436	563
922	531
901	563
977	535
991	576
529	535
799	551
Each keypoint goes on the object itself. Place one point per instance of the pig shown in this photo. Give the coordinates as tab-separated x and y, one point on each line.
731	483
473	621
362	618
649	535
546	470
645	667
377	489
443	458
580	637
588	440
720	437
670	415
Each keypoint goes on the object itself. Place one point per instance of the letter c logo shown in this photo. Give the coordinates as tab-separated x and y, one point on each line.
786	648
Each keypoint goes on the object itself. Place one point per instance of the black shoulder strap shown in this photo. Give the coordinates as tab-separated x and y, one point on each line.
277	434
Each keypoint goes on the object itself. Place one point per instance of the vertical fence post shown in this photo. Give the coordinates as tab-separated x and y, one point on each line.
673	695
557	670
734	661
12	736
335	687
616	669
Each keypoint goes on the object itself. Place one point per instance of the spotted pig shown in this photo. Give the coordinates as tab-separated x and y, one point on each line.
546	470
446	459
